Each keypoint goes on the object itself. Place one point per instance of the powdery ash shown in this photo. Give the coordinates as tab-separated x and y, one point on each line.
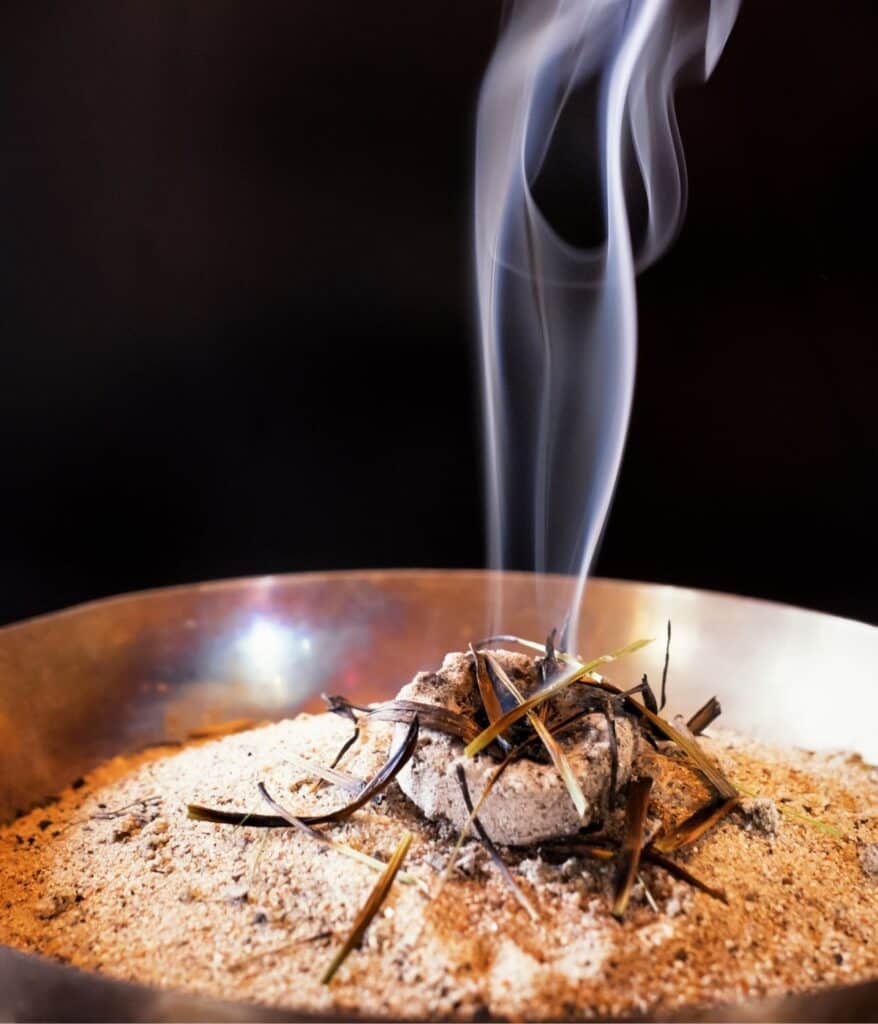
115	878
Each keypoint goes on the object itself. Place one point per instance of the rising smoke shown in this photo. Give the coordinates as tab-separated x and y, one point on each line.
579	183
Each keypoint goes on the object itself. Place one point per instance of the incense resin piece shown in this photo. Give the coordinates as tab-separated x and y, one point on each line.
529	803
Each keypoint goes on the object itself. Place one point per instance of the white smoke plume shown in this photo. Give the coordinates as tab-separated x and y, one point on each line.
578	103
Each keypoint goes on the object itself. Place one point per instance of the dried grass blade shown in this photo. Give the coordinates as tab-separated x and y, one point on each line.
559	758
549	664
558	647
580	849
509	638
707	713
321	837
370	908
490	700
632	843
613	750
489	785
576	672
652	856
345	747
285	820
379	781
664	695
344	780
647	892
338	705
702	762
491	848
695	825
645	690
599	852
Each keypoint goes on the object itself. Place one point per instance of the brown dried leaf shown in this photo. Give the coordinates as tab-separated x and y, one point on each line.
695	825
632	843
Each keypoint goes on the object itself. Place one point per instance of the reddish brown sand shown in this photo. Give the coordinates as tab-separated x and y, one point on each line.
114	877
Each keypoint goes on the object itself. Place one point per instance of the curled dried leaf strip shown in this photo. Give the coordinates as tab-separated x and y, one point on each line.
240	818
379	781
432	716
370	908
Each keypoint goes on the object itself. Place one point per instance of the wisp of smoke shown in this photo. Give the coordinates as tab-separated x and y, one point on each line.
575	113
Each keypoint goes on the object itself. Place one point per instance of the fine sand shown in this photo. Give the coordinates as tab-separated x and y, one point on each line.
114	877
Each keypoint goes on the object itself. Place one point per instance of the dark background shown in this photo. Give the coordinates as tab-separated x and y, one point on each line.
236	304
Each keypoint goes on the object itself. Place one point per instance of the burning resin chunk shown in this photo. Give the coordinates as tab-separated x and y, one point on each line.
529	802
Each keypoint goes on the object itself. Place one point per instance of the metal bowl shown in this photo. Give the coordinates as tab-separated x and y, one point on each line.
114	676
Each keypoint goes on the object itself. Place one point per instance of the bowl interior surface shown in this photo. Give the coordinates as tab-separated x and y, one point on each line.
114	676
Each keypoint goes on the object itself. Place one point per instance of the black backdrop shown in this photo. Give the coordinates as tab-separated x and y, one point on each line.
236	304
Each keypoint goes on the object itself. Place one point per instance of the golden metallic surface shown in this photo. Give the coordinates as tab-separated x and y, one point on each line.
81	685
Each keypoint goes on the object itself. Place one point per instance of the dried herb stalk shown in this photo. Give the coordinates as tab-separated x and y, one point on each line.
370	908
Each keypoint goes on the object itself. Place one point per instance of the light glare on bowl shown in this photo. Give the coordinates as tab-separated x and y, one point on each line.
269	650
